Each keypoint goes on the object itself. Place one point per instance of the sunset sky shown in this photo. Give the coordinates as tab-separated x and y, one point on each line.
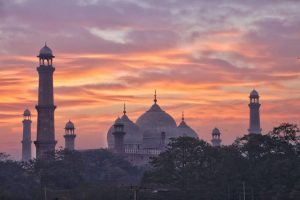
203	57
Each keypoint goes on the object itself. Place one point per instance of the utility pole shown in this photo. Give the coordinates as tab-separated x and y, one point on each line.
135	195
45	192
135	190
228	192
244	192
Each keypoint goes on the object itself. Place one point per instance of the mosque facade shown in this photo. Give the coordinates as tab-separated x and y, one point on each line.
152	130
136	141
148	136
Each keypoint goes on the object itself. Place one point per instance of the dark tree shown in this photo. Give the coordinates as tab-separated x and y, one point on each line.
257	166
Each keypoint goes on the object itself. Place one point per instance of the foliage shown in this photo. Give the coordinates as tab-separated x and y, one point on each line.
15	182
264	166
68	172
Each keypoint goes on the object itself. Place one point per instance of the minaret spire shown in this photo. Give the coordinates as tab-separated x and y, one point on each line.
182	117
155	97
124	109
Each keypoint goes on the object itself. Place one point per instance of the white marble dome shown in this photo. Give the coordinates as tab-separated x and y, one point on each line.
132	139
186	131
155	117
153	123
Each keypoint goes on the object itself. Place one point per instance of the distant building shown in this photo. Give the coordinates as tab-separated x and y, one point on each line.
149	135
254	120
70	136
26	142
216	137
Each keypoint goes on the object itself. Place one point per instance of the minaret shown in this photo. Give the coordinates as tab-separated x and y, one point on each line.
254	105
119	134
45	141
216	138
69	136
26	142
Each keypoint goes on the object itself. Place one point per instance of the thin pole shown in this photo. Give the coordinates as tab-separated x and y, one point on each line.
228	192
135	194
45	192
244	193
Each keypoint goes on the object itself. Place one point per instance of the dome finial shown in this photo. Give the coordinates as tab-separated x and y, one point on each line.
182	117
155	97
124	109
45	43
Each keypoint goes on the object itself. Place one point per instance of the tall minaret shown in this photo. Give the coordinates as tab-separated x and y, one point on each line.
216	137
254	105
26	142
119	134
45	141
70	136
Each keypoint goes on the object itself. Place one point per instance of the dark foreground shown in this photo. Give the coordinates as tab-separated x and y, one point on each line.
256	167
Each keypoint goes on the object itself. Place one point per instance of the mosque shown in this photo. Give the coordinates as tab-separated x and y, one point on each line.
135	141
152	129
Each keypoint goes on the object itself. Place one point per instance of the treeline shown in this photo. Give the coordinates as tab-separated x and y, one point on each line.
255	167
96	174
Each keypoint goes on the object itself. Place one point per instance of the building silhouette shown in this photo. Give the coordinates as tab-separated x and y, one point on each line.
70	136
152	130
216	137
119	134
254	121
45	141
26	142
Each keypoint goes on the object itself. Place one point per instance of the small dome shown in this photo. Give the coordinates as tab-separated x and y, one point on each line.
254	94
133	137
45	52
27	113
186	131
216	131
69	125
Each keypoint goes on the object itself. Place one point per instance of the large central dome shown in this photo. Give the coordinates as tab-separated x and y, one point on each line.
157	127
155	117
